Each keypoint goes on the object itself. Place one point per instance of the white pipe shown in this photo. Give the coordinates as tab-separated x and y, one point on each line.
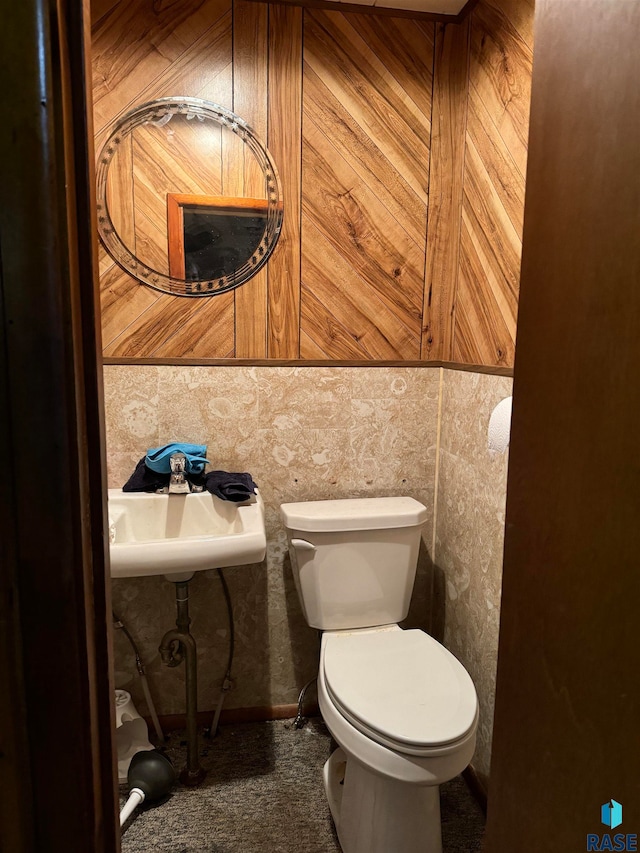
151	707
136	796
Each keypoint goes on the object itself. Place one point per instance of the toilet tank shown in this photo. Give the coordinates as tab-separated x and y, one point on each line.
354	561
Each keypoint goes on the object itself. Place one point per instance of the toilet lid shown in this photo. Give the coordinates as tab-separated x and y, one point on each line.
402	685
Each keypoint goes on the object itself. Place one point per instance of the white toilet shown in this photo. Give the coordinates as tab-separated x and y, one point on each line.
402	708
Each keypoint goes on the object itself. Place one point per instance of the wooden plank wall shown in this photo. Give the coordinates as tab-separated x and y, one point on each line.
365	158
495	157
450	94
366	268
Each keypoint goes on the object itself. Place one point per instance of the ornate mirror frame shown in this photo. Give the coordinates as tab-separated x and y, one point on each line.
161	111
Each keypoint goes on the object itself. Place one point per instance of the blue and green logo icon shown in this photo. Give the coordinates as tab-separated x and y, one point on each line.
611	816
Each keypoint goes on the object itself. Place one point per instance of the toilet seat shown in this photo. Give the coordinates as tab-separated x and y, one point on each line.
401	688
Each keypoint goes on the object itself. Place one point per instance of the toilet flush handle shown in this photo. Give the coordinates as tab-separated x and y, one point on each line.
303	545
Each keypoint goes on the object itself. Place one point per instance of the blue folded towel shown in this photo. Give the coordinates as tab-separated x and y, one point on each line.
157	458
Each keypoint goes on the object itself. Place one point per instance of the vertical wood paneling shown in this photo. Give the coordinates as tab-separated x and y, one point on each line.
250	61
205	328
493	189
122	301
500	70
195	59
346	322
136	42
450	91
504	177
285	140
376	141
357	274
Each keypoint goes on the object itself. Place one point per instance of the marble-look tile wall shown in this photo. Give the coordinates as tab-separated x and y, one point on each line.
312	433
470	512
303	433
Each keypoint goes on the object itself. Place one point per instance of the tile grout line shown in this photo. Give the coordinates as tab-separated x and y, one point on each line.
437	469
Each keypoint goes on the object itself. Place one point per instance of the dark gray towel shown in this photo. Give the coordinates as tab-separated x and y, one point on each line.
230	486
144	479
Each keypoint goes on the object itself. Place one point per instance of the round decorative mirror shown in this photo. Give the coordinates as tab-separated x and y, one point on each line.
189	199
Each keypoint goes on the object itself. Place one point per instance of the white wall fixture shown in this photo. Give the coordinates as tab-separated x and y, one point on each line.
170	535
500	426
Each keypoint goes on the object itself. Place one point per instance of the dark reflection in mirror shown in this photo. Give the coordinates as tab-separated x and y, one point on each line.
209	238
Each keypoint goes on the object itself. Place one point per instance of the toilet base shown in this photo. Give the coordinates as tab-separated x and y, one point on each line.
373	814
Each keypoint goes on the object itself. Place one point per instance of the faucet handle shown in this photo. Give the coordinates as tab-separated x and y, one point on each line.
178	463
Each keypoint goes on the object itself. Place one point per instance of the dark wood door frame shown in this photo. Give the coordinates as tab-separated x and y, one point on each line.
56	718
568	687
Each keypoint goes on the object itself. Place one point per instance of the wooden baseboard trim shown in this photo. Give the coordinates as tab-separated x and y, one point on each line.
171	722
381	10
288	362
476	786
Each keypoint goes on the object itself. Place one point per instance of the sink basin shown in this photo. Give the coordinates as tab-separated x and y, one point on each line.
153	534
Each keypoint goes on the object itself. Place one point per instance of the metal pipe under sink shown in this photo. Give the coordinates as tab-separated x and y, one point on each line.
177	645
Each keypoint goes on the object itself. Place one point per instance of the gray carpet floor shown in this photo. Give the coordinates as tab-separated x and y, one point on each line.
263	794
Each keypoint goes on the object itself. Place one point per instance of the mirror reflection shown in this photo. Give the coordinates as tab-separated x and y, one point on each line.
210	236
189	199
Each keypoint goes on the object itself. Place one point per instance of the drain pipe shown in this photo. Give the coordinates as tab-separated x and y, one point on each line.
177	645
119	625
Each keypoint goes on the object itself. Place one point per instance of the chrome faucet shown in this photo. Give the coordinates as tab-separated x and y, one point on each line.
178	483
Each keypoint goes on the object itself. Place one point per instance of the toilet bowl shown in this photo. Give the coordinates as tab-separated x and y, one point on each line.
402	708
400	736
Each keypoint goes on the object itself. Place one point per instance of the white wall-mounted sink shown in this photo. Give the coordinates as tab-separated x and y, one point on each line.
153	534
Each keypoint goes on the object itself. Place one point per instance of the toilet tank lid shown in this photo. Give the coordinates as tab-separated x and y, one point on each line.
354	514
